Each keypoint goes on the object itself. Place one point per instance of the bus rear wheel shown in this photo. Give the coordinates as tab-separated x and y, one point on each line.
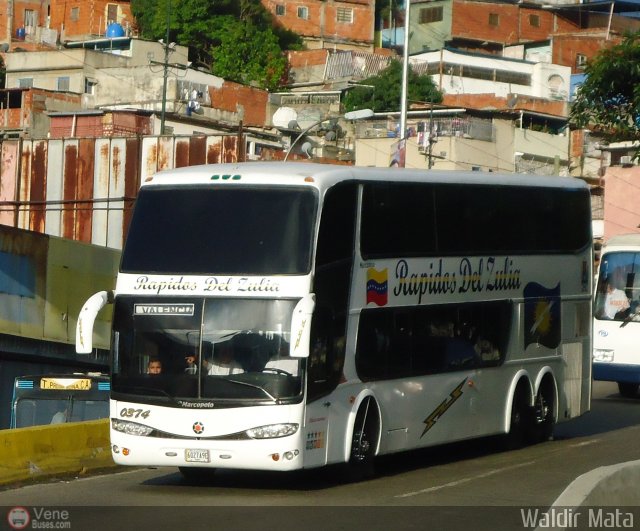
543	415
365	434
628	389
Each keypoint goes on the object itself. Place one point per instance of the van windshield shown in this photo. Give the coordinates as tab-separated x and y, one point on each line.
618	289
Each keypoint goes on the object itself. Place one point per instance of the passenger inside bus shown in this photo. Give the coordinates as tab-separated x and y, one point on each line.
60	417
615	302
223	362
192	364
154	366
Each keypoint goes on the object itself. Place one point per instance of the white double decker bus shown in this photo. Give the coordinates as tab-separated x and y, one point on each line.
305	315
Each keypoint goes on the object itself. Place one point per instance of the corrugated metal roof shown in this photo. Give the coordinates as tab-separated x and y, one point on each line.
355	65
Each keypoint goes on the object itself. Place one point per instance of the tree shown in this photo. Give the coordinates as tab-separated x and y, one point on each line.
234	39
383	92
609	99
246	54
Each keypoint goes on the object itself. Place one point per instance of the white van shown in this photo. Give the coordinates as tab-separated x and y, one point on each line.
616	325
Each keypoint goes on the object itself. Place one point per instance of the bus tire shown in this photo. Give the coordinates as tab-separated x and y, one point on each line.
544	413
628	389
363	442
197	475
520	424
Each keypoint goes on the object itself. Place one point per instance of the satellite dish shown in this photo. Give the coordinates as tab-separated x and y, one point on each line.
4	47
293	124
307	149
331	135
283	116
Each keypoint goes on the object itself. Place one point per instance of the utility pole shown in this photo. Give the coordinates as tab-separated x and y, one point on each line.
167	50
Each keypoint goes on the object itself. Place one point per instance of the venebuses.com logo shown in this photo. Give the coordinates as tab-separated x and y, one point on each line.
38	518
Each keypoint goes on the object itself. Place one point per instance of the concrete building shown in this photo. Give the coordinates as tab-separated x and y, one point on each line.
458	72
465	139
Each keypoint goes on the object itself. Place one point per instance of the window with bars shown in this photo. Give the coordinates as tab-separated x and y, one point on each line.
430	14
112	13
534	21
345	15
63	83
494	19
303	12
30	18
75	14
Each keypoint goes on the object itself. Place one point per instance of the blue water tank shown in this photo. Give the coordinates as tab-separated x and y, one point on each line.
20	34
115	30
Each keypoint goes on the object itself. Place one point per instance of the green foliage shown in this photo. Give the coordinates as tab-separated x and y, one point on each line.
237	43
234	39
384	91
609	100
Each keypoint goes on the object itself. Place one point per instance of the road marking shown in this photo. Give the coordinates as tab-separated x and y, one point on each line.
464	480
585	443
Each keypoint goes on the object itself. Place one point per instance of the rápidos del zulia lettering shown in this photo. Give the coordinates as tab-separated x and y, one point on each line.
473	275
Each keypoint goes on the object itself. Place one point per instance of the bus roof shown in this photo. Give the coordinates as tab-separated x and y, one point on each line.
623	241
323	176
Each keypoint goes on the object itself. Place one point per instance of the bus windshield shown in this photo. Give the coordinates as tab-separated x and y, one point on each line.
238	230
618	290
57	399
176	351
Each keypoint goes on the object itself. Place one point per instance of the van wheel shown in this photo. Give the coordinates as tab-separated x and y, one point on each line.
365	435
628	389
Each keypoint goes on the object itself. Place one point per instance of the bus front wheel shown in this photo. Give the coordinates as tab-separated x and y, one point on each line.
363	442
628	389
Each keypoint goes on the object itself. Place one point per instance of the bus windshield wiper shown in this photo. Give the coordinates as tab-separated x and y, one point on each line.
255	387
630	318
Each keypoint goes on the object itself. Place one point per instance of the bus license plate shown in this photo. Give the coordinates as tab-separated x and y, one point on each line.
197	456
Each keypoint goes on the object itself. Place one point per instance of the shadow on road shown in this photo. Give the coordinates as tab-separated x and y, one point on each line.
609	412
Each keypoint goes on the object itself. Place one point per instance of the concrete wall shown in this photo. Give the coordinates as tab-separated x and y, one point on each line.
621	200
43	451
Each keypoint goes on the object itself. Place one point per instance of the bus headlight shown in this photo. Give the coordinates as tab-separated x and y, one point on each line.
130	428
600	354
272	431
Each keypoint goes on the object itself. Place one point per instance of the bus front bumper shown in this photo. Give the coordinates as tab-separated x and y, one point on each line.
280	454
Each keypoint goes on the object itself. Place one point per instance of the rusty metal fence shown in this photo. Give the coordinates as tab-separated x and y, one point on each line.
84	188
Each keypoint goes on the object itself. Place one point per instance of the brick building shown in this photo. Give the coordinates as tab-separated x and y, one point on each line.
343	24
29	24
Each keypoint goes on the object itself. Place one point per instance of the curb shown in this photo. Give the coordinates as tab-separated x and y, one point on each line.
605	486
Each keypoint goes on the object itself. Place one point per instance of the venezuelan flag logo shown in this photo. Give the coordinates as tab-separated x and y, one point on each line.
542	315
377	286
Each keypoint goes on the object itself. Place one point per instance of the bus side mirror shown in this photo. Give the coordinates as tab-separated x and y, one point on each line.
86	319
301	327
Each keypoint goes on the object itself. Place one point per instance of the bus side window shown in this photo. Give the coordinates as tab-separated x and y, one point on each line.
326	358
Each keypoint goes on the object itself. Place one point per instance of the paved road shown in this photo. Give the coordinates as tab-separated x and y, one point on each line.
462	486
